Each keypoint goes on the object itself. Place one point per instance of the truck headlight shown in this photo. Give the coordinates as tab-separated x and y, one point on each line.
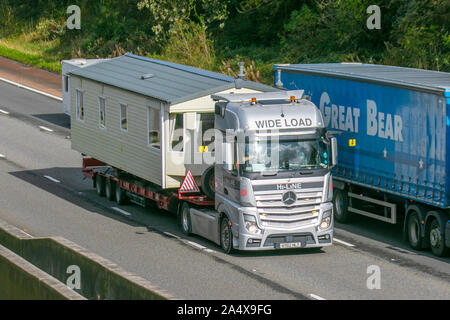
250	224
326	220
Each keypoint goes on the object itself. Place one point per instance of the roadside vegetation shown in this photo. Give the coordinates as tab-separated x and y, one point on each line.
217	34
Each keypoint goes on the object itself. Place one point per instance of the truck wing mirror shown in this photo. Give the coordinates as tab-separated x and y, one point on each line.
334	151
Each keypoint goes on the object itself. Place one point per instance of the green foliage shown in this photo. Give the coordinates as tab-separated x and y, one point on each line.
189	42
217	34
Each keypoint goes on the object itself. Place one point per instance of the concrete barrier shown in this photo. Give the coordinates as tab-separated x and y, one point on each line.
99	277
19	279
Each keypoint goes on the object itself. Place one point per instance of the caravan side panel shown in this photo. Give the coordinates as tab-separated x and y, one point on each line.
126	150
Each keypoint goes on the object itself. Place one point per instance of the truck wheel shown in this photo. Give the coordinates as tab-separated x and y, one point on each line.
109	189
226	236
185	219
121	197
100	185
413	230
340	203
437	239
208	183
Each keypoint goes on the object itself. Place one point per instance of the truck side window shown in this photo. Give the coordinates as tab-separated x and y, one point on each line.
154	127
176	132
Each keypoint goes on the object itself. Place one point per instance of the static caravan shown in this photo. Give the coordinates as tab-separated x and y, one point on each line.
66	67
148	117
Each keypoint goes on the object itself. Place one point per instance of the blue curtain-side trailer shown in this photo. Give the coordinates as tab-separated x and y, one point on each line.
393	126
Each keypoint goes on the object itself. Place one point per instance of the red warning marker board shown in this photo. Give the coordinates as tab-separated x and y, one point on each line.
189	185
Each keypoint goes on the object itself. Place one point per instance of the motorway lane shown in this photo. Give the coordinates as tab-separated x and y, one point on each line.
34	108
137	243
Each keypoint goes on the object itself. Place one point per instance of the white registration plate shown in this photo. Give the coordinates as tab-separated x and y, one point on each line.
290	245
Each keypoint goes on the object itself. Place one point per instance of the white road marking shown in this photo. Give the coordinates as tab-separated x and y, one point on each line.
45	128
31	89
52	179
2	156
121	211
4	112
199	246
171	235
343	242
316	297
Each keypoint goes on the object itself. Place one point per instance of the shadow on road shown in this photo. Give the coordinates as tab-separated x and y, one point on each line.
59	119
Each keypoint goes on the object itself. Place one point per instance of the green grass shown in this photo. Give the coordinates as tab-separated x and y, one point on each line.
31	53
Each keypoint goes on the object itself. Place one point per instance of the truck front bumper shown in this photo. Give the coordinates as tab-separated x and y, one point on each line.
311	236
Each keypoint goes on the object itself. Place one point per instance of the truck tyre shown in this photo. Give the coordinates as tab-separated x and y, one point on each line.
413	227
185	219
100	185
226	236
340	204
436	237
121	197
109	189
208	183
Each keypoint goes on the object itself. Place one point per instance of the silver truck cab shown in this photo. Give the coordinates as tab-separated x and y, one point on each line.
273	184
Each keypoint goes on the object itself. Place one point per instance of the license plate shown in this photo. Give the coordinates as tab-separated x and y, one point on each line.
290	245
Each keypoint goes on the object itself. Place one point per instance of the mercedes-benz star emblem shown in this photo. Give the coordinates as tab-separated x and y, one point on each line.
289	198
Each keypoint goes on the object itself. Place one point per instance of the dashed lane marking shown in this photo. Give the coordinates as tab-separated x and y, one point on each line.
121	211
52	179
45	129
343	242
316	297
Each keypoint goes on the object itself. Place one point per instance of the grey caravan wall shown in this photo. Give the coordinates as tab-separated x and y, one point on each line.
124	149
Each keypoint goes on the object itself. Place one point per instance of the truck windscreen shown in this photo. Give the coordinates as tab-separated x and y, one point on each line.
273	154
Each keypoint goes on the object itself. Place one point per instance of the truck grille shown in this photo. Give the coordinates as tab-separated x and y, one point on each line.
273	212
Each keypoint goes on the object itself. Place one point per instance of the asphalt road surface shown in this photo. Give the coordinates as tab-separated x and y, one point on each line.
43	191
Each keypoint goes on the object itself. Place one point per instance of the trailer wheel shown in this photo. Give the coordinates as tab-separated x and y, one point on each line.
226	236
208	183
413	230
436	237
185	219
121	197
340	203
100	185
109	189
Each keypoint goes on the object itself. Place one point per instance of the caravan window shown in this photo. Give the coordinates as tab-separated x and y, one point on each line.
80	105
154	127
66	83
176	132
123	117
204	140
102	112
